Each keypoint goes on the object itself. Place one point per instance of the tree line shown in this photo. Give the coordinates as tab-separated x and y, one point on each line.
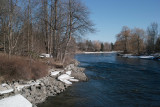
30	27
138	41
94	46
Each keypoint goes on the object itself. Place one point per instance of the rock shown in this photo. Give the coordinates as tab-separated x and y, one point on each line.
79	75
69	67
76	63
34	106
78	69
72	67
61	86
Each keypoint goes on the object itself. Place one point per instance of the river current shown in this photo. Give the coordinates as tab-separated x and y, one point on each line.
113	82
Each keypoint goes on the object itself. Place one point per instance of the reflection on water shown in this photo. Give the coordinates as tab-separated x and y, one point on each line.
113	81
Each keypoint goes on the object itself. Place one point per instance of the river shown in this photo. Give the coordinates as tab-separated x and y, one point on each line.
113	82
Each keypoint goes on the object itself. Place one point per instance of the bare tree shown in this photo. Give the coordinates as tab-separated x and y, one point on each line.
124	37
137	37
152	33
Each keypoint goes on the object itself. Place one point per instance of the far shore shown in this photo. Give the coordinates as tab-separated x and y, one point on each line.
97	52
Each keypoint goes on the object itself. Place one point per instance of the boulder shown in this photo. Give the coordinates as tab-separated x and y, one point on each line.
79	75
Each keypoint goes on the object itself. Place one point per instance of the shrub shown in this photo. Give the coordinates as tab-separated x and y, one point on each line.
17	68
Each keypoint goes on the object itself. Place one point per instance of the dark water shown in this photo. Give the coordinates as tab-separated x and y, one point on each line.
113	82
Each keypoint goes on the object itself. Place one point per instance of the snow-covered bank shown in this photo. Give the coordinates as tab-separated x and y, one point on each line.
140	57
5	88
146	57
15	101
36	91
99	52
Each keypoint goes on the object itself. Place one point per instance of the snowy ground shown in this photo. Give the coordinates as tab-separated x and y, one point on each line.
100	52
15	101
5	88
141	57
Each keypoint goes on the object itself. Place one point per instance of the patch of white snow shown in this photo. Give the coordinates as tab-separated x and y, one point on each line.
74	80
146	57
15	101
5	88
68	72
65	78
54	73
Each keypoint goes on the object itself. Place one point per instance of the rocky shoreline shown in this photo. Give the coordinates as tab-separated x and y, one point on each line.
36	91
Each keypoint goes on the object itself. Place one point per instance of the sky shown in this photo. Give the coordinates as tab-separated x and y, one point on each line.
109	16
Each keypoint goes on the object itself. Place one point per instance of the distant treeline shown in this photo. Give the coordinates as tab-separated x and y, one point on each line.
138	41
94	46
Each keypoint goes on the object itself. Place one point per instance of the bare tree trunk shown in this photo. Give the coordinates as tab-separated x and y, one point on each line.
31	32
28	31
55	29
138	45
45	10
70	31
10	28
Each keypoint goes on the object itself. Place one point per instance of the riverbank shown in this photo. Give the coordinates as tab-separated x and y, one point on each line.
97	52
36	91
155	56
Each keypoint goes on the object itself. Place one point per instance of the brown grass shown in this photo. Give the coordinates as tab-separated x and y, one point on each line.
16	68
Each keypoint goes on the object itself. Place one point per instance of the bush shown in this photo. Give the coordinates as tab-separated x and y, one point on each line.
20	68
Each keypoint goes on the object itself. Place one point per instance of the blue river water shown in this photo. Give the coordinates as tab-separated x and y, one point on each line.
113	82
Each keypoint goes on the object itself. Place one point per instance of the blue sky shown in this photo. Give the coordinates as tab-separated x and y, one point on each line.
109	16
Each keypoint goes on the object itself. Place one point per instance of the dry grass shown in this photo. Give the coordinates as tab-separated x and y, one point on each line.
16	68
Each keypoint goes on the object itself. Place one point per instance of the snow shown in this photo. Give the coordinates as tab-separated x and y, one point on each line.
5	88
54	73
65	78
6	91
15	101
44	55
20	87
30	83
4	84
100	52
146	57
68	72
74	80
141	57
66	82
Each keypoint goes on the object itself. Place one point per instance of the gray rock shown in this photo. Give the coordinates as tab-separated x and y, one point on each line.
79	75
78	69
76	63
